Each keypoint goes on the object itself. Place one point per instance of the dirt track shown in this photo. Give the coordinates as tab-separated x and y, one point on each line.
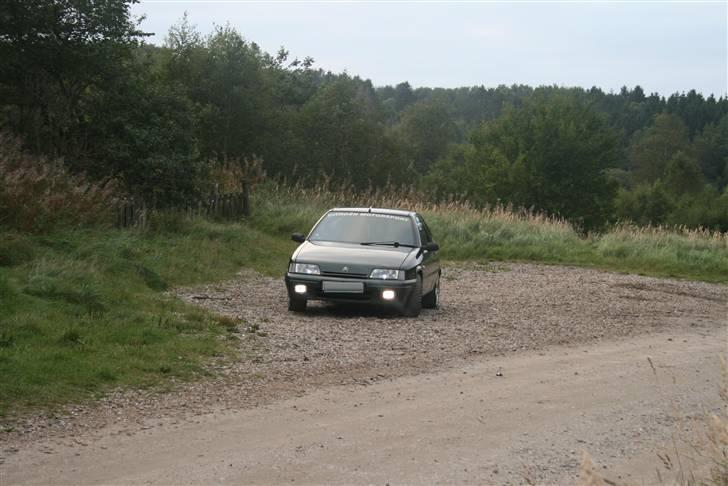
572	346
464	425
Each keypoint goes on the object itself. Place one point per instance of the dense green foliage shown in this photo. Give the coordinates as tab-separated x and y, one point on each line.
550	155
78	82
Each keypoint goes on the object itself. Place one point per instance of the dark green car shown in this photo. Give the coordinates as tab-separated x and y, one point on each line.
366	255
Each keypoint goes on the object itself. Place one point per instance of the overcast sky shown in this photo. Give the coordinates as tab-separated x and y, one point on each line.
665	47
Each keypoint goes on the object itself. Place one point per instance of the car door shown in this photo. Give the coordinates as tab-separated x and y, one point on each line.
430	259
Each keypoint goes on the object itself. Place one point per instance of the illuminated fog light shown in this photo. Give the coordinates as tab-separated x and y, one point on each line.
388	295
300	289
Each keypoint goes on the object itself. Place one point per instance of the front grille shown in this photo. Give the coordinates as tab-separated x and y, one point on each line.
344	275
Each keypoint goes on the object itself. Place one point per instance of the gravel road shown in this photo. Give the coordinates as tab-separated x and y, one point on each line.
490	315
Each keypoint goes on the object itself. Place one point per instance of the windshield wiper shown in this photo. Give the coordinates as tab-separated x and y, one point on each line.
395	244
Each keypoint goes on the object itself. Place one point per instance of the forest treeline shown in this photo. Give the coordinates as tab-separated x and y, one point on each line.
80	83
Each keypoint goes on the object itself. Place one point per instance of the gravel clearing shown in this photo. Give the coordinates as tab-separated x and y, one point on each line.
487	310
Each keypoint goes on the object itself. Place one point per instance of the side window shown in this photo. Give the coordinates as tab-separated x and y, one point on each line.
425	236
427	231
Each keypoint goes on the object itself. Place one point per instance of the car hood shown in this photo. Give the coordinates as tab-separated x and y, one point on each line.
332	257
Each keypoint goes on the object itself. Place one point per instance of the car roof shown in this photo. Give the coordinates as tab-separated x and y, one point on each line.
397	212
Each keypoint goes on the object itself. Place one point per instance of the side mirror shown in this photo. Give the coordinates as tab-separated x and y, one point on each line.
298	237
431	246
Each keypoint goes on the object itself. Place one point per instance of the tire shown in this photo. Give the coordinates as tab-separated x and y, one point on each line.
296	304
414	304
432	299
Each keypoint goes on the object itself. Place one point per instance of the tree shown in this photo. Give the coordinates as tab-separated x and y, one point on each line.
646	204
683	174
427	129
145	137
344	136
549	155
403	96
712	150
457	175
653	147
232	95
57	55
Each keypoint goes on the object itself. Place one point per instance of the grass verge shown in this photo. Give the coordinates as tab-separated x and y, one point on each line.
466	233
82	311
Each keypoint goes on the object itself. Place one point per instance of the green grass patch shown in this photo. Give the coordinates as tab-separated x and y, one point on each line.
84	310
466	233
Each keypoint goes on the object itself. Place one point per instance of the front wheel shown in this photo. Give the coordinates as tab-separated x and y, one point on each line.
414	304
432	299
296	304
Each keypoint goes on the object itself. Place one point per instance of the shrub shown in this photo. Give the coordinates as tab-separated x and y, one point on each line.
14	249
39	194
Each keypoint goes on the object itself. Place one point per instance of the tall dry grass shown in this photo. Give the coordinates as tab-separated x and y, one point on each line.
715	445
38	193
706	466
313	200
501	232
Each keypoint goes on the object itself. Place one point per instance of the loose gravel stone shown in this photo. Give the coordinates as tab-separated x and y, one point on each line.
486	310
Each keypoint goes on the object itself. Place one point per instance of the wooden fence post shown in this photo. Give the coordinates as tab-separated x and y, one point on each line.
246	198
230	206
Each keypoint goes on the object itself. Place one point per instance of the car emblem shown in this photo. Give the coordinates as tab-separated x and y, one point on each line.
345	269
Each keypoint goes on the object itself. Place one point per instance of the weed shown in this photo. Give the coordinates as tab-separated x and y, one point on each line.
230	324
162	221
106	375
71	337
253	328
710	447
6	339
716	443
39	194
14	249
151	278
7	290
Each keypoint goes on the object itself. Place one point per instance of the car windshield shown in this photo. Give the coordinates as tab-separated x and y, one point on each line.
354	227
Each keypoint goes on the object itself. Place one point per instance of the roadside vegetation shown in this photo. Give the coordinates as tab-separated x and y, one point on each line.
84	307
85	310
708	450
466	232
108	117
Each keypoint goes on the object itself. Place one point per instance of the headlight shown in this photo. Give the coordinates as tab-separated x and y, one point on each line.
384	274
304	268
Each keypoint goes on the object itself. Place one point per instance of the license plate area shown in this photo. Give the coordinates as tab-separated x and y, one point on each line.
343	287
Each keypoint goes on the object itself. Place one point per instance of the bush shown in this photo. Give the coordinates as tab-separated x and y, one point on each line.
646	204
707	209
39	194
14	249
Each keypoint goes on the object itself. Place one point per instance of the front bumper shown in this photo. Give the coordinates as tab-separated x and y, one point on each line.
372	294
